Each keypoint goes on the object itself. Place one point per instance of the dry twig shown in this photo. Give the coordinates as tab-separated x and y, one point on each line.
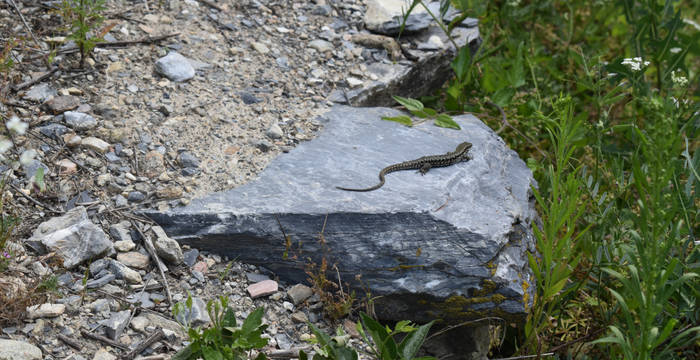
159	264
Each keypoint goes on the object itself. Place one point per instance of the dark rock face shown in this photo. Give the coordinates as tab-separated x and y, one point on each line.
451	244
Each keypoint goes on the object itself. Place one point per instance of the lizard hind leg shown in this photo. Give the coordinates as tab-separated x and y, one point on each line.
424	168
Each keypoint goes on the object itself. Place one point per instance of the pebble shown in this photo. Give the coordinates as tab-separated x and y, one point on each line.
79	121
190	257
134	259
136	196
248	98
167	248
60	104
175	67
263	288
299	292
18	350
96	144
274	131
45	310
124	246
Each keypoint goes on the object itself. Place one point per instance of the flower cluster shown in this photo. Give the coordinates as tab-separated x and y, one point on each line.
635	63
678	78
19	127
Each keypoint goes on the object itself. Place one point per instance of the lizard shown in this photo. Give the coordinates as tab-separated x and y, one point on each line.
423	164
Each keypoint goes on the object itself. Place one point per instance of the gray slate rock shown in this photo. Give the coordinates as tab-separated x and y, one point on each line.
166	247
385	17
115	325
53	130
72	236
453	233
39	93
190	257
175	67
79	121
18	350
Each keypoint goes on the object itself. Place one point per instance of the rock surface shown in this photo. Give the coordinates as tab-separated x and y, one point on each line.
455	238
18	350
73	236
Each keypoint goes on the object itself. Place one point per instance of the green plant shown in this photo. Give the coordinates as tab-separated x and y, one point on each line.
561	210
330	348
84	17
383	344
336	303
417	108
223	340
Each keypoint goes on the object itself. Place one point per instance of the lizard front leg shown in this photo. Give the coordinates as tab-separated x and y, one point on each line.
424	169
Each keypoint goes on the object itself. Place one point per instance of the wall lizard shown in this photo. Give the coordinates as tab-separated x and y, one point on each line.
423	164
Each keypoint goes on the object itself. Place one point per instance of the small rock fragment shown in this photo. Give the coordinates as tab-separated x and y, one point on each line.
299	293
175	67
96	144
79	121
134	259
45	310
262	288
116	324
166	247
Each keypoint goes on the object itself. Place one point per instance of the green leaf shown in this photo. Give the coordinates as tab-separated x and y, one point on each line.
430	112
411	344
210	353
503	96
229	318
401	119
444	120
462	63
184	353
385	344
39	179
253	321
410	104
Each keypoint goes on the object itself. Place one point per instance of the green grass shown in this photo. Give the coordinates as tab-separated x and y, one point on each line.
601	99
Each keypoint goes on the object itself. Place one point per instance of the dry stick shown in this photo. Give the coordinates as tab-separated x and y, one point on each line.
12	3
151	339
146	40
36	202
160	265
526	356
105	340
31	82
287	354
72	343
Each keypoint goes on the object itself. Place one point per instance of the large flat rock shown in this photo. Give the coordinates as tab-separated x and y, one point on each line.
451	244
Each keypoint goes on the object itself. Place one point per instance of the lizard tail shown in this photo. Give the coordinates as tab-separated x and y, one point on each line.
375	187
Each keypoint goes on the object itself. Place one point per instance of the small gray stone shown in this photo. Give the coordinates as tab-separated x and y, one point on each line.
139	323
45	310
124	245
255	277
321	45
299	293
120	232
263	145
144	299
116	324
166	247
99	305
275	131
112	157
98	265
248	98
283	341
136	196
18	350
321	10
53	130
120	201
96	144
79	121
198	276
72	236
197	316
190	257
39	93
96	283
121	271
282	62
175	67
187	160
134	259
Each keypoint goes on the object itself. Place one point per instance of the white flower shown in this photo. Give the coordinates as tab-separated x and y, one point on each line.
675	50
27	156
16	125
692	23
635	63
678	78
513	3
5	145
